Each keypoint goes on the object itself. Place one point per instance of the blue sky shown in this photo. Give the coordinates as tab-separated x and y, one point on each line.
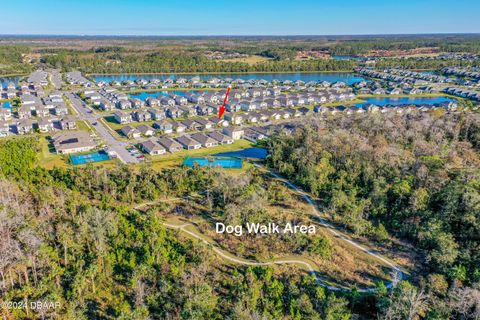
243	17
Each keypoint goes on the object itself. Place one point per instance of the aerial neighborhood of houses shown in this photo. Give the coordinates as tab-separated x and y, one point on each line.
166	116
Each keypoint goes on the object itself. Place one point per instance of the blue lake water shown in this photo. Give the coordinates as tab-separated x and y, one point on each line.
399	101
258	153
347	77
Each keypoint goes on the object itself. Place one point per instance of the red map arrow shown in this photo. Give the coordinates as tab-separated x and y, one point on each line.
221	111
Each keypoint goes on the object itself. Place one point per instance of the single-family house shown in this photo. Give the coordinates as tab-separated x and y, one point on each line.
188	143
152	147
204	140
131	132
220	138
169	144
235	133
165	126
122	117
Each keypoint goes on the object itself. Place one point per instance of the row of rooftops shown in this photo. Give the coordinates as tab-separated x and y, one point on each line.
407	77
217	82
463	72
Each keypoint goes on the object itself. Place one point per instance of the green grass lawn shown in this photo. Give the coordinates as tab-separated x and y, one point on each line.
175	159
48	158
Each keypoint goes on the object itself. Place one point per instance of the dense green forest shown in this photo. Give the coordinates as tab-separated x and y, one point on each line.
416	177
174	61
71	236
11	60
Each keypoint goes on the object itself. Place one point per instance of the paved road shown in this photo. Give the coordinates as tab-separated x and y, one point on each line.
86	113
396	273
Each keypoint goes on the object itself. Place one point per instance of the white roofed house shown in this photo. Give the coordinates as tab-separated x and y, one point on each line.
42	111
220	138
45	125
68	123
204	140
61	110
4	128
122	117
24	126
219	122
5	114
24	112
152	147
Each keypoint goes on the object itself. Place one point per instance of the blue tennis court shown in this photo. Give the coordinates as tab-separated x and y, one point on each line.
90	157
229	163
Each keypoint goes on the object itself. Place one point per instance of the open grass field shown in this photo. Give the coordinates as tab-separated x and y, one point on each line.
253	59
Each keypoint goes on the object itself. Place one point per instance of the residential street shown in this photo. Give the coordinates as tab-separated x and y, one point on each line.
85	113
